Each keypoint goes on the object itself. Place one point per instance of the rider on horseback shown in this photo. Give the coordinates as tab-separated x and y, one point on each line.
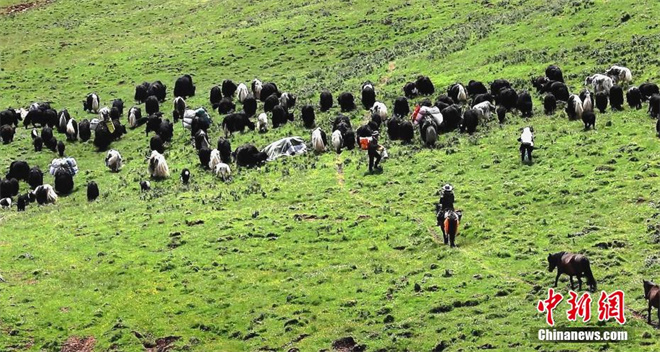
446	203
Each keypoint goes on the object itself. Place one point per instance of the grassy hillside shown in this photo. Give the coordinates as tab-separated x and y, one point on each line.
310	249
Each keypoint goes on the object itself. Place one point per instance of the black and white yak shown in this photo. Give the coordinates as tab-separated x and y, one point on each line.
185	176
458	93
158	168
574	107
92	103
379	109
587	101
242	92
72	130
179	108
600	83
134	116
113	160
256	86
368	95
63	118
45	194
620	74
223	171
337	141
262	123
319	140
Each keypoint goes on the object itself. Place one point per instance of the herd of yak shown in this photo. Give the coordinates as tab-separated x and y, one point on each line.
462	108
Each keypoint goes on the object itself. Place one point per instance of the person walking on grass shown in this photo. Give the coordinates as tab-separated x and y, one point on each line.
374	153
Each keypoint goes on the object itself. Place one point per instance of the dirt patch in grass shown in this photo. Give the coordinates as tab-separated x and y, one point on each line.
77	344
309	217
22	7
347	344
162	344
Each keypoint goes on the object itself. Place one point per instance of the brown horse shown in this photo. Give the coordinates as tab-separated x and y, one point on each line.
450	226
652	294
572	265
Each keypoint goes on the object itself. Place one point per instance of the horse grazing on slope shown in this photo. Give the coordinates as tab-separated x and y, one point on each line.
572	265
652	294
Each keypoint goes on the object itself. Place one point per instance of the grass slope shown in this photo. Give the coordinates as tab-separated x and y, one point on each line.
307	250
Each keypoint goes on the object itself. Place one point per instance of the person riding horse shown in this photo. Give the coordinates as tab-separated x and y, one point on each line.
446	203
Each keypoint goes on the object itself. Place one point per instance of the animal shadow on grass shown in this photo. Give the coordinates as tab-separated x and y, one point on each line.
375	172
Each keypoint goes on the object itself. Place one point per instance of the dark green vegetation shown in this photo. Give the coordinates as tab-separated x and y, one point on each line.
308	250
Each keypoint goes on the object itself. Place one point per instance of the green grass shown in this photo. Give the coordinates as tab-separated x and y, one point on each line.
332	251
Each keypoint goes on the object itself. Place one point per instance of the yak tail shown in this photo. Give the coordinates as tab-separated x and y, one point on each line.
591	281
452	226
140	122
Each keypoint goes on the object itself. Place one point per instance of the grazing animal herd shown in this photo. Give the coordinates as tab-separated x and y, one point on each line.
462	108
